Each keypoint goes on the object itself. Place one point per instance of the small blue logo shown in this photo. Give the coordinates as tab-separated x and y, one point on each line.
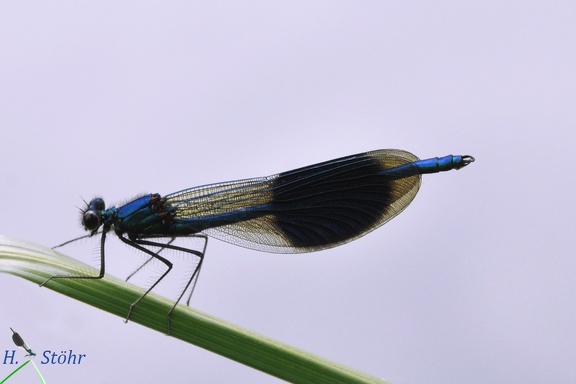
19	341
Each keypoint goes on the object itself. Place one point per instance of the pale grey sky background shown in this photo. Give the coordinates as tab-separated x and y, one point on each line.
473	283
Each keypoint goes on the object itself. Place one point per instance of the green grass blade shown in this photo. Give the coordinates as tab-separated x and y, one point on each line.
14	372
36	263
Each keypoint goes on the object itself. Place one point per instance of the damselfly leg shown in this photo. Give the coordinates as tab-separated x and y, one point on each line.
142	243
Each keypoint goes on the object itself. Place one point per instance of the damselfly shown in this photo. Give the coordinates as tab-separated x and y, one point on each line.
308	209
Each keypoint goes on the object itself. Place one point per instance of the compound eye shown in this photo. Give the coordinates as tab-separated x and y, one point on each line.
97	205
91	220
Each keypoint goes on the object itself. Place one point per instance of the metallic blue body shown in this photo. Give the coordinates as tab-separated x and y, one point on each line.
307	209
296	211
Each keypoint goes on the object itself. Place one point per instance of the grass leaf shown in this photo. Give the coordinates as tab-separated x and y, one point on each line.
36	264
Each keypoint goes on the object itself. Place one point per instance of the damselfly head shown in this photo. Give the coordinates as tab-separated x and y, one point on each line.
92	216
